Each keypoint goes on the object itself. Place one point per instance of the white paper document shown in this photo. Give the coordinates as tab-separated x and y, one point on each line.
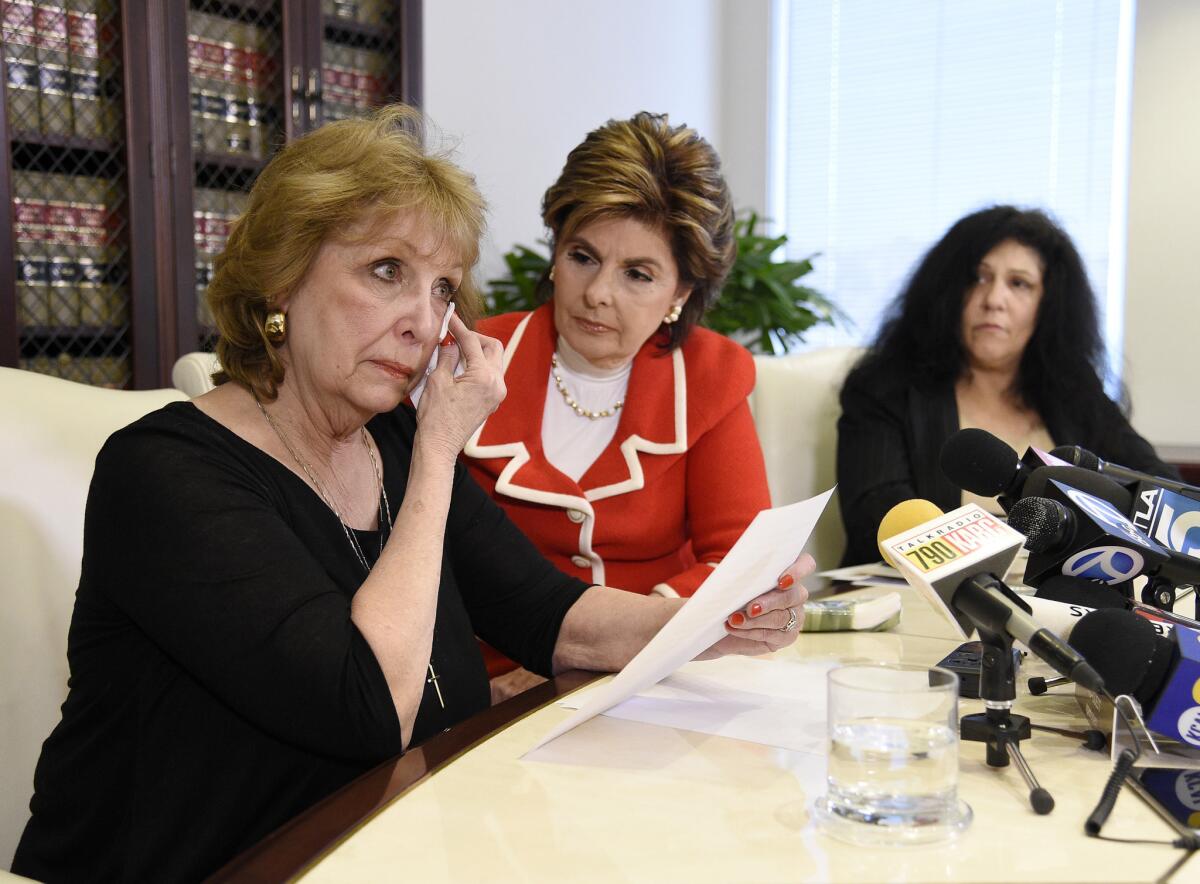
773	702
875	574
772	542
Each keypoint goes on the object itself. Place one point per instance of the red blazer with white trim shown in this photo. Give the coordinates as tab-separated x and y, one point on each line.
668	497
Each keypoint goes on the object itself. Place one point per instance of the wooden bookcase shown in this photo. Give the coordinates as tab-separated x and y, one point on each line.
131	132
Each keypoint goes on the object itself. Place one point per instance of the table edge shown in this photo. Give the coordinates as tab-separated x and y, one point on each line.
303	840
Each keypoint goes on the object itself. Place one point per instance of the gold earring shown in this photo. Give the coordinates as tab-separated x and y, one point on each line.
551	277
275	327
673	316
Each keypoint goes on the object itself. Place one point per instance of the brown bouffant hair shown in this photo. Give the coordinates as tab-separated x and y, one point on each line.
327	184
664	176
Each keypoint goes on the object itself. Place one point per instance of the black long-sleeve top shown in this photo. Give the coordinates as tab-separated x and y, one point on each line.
218	685
890	438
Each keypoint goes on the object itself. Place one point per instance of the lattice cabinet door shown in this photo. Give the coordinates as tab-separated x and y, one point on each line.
361	67
65	175
132	132
263	71
235	54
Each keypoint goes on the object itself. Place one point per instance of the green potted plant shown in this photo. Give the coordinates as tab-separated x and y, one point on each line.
763	304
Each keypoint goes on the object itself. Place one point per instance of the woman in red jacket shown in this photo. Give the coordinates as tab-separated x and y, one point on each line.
627	451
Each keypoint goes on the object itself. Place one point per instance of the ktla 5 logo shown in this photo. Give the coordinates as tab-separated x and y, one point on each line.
1105	564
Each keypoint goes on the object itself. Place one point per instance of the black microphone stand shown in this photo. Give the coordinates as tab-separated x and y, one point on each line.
997	727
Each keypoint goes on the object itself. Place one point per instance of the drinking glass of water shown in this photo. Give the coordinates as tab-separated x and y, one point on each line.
892	776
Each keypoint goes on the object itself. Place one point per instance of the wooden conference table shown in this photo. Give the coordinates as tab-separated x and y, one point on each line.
617	800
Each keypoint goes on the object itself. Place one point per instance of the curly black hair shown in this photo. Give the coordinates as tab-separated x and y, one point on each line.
1063	367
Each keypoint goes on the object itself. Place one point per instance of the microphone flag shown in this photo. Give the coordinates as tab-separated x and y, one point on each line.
936	556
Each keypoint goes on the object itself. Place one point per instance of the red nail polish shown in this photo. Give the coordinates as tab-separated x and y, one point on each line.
737	618
755	609
785	581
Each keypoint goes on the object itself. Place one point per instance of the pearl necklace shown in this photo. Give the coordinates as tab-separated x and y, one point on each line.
570	400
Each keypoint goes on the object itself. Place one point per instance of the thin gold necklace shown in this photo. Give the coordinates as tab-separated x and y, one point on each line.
385	514
385	509
570	400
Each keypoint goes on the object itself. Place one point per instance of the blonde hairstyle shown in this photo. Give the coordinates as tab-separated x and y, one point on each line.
663	176
319	187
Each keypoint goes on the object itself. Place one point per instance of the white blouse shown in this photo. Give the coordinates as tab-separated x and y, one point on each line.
571	442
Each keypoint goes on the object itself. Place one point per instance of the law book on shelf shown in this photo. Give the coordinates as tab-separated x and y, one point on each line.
91	42
54	71
20	56
373	13
229	69
370	79
214	213
205	206
103	301
62	251
345	77
213	90
31	230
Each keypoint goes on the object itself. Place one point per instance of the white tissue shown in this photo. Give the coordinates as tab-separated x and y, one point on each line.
415	395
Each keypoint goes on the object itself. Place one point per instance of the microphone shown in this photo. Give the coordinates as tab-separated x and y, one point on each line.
975	460
1166	510
1063	618
1161	672
902	517
1128	652
1082	536
1090	483
951	560
1081	457
1059	618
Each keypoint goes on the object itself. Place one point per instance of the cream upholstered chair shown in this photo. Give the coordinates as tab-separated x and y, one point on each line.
795	405
193	373
50	433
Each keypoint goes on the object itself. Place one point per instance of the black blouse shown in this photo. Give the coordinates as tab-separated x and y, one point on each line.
218	685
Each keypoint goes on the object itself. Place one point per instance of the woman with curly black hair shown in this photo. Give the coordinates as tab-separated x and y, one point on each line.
997	328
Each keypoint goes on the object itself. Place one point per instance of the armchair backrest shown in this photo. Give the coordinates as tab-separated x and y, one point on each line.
193	371
50	433
796	408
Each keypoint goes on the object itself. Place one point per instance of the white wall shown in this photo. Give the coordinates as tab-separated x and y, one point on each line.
1162	306
745	66
521	82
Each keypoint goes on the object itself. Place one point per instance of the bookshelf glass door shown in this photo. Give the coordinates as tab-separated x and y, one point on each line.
68	178
360	67
236	94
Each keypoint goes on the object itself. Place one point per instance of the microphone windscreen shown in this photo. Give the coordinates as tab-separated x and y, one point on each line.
1077	591
975	460
1085	480
1125	649
1080	457
905	515
1042	521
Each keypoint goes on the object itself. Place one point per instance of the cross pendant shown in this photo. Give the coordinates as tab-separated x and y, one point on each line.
433	680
